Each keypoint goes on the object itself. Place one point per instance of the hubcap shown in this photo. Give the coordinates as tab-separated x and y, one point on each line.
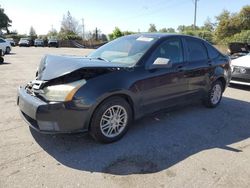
113	121
216	94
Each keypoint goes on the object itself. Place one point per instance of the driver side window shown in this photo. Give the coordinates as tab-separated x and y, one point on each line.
170	49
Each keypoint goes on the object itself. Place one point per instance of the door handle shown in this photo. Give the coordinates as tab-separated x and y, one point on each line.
210	62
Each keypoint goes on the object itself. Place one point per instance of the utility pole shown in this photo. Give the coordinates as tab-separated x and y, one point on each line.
83	30
96	34
195	12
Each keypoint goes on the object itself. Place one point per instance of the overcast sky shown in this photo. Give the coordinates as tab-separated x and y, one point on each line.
132	15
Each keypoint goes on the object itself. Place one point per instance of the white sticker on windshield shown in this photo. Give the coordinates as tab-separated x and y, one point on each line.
145	39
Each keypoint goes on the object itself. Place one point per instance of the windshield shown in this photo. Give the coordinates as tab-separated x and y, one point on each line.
125	50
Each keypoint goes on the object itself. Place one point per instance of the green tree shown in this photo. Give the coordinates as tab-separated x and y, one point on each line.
115	34
167	30
227	25
127	33
184	28
152	28
5	22
244	16
52	34
208	25
243	36
230	24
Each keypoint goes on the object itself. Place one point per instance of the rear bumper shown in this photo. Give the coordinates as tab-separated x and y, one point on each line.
59	117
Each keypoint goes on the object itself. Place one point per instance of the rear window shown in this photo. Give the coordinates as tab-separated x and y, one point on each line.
196	50
212	52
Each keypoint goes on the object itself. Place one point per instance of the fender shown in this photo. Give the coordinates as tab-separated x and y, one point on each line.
222	72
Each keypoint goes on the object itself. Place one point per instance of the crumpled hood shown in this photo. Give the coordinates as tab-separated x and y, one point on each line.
243	61
52	66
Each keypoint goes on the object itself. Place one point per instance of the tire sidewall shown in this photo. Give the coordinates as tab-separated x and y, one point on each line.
209	100
95	129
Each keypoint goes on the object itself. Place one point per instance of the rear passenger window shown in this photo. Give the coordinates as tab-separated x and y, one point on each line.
196	50
212	52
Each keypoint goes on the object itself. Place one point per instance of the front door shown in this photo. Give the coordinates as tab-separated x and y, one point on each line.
162	87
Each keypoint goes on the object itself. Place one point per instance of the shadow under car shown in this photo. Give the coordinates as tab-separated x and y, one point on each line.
155	142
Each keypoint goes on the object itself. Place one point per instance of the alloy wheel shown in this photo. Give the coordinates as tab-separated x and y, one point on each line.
113	121
216	94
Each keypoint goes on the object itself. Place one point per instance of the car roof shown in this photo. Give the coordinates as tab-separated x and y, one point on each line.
164	35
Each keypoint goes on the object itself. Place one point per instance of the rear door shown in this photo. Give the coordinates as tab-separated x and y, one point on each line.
199	65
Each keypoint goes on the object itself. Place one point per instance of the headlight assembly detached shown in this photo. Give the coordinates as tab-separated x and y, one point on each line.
62	92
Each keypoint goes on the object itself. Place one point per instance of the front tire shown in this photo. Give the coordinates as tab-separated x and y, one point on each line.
111	120
214	95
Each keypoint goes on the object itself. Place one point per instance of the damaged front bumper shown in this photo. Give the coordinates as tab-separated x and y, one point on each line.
53	117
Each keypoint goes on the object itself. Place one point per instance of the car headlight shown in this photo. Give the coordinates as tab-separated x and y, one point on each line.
243	70
62	92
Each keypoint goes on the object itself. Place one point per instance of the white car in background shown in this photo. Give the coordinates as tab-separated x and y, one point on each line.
11	40
24	42
241	70
5	46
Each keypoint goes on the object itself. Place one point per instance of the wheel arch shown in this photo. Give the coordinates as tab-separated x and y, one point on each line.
125	96
223	81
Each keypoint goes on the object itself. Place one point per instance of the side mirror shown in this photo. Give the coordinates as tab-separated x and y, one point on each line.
161	63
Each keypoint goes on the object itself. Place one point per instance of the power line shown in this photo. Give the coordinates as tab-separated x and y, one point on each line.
162	9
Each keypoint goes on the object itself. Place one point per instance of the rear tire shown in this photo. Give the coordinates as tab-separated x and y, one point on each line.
111	120
214	95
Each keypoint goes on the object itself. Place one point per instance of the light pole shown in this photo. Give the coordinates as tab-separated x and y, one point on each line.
195	12
83	30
